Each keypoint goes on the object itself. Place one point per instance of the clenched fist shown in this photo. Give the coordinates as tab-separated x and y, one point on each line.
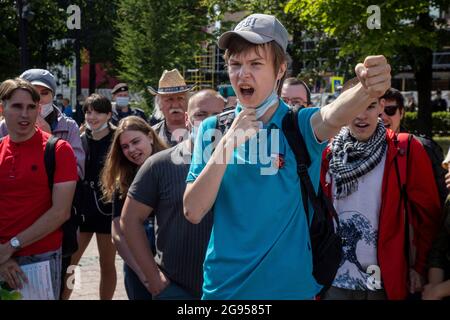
244	126
375	75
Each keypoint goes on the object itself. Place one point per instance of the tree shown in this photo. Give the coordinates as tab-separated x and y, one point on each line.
157	35
9	38
408	36
45	25
218	8
97	36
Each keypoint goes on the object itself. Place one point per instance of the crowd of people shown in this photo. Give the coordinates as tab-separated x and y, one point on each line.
208	203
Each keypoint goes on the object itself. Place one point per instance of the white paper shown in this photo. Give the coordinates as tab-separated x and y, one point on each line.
39	286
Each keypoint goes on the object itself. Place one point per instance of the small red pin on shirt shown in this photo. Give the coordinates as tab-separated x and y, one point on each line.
278	160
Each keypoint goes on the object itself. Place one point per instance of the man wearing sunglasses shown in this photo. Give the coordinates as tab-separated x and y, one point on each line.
394	111
359	175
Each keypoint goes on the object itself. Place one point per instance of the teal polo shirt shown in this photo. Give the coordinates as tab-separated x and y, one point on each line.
259	246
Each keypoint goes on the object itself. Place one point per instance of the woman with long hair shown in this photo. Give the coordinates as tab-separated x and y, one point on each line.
133	142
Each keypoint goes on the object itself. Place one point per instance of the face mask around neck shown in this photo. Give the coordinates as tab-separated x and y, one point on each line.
104	126
266	104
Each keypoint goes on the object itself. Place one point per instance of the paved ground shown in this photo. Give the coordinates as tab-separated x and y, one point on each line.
90	276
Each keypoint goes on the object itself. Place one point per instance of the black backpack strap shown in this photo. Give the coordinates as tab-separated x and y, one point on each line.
50	159
405	199
294	136
401	180
85	145
295	139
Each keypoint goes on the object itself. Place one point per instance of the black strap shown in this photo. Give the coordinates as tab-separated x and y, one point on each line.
295	139
404	195
85	145
50	159
405	201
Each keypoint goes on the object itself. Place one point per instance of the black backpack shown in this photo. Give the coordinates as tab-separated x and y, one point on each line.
436	155
70	227
326	245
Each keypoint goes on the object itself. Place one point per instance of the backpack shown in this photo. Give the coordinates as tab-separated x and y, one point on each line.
403	143
70	227
326	245
436	155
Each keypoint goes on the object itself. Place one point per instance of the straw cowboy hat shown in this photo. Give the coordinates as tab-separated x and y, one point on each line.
171	82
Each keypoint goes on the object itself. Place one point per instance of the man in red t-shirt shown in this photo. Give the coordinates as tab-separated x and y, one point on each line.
30	213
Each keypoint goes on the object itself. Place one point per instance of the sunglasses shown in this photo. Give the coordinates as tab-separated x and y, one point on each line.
390	110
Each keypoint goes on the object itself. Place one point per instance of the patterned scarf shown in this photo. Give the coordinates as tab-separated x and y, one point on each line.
352	159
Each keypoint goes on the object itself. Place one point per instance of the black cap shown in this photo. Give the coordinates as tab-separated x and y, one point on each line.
119	88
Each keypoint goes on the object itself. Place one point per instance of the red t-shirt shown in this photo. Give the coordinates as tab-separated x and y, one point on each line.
24	192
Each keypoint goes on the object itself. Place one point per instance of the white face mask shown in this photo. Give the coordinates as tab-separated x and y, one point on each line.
103	126
122	101
46	109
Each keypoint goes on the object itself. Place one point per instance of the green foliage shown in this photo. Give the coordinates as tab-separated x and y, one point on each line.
97	33
6	293
346	21
157	35
47	25
275	7
408	35
9	38
444	142
440	122
97	29
142	104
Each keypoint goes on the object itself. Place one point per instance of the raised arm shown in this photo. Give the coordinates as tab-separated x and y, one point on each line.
375	78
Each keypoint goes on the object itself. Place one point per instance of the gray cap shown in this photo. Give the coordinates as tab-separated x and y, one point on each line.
257	28
40	77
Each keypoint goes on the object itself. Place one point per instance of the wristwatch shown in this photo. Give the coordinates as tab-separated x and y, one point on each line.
15	243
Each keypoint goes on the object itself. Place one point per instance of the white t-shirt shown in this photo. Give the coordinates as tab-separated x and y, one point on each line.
358	216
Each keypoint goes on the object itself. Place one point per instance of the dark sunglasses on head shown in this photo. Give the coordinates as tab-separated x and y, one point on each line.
390	110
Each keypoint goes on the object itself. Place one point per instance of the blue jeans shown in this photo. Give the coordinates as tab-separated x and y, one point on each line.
174	292
133	285
54	257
